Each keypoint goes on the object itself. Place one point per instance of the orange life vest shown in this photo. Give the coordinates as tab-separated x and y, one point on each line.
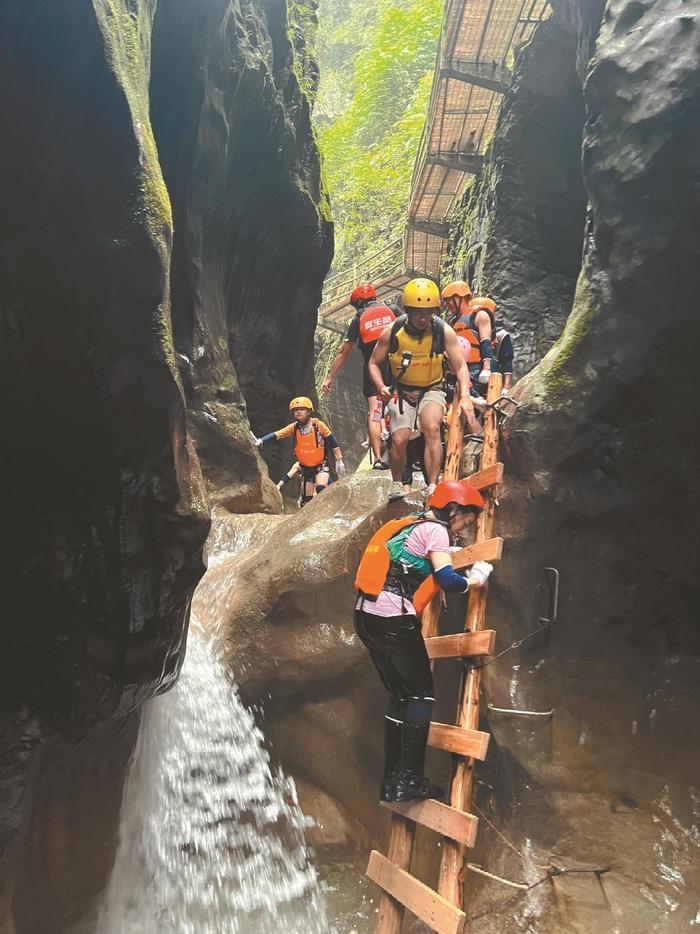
466	327
462	329
374	565
309	449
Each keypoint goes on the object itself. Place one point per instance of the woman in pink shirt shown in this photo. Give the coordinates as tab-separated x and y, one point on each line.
389	627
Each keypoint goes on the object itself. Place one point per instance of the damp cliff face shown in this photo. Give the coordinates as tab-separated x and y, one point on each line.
281	596
115	331
517	234
230	103
345	406
602	483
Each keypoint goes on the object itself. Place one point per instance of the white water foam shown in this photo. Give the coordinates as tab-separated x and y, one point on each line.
211	841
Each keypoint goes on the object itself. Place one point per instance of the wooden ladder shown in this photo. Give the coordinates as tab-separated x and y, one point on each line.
442	910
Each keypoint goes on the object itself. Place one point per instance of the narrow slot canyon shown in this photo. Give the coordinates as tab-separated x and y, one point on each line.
192	734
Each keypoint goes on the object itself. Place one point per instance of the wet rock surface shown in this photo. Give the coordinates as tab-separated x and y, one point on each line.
517	234
107	349
345	407
230	104
284	607
601	461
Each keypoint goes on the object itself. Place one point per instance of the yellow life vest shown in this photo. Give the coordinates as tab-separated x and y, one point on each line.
426	362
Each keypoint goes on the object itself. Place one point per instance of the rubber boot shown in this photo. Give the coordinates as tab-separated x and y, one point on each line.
411	784
392	753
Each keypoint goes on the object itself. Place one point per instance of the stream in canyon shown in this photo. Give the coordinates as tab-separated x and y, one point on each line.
211	838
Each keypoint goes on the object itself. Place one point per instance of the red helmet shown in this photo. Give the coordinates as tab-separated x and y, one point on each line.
362	293
455	491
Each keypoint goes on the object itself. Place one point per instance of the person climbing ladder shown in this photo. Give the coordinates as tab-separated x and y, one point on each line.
416	345
311	439
406	562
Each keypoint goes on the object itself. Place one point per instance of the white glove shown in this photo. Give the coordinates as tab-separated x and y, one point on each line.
340	468
258	442
479	574
485	376
505	391
280	484
478	402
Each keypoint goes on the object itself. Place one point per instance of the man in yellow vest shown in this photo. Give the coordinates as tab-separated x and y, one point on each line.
416	346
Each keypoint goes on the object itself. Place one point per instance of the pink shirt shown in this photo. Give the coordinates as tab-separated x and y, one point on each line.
422	541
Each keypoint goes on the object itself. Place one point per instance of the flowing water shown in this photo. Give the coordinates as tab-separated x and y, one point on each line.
211	840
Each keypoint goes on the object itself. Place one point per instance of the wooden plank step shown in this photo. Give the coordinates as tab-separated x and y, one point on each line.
457	825
462	644
439	914
490	550
482	479
456	739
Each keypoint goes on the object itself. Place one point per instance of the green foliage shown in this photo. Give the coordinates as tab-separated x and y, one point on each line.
377	59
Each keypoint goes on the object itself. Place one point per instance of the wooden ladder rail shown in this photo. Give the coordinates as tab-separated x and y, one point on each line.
402	831
453	862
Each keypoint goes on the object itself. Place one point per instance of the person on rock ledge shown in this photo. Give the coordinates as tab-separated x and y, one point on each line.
311	438
405	564
364	330
416	345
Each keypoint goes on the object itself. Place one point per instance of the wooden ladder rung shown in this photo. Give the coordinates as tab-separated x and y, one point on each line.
489	550
456	739
439	914
462	644
457	825
486	478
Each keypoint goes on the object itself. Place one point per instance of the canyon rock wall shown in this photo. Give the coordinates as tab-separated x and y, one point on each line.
518	231
230	103
163	233
602	466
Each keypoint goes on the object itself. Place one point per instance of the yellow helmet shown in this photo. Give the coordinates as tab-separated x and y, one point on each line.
301	402
421	293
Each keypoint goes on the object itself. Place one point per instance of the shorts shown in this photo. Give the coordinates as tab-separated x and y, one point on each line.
368	387
308	474
411	414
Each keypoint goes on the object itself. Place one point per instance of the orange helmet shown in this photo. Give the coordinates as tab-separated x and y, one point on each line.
458	289
454	491
362	293
301	402
483	304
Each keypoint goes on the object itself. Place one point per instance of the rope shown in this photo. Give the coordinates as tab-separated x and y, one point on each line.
552	873
490	875
507	901
497	831
515	645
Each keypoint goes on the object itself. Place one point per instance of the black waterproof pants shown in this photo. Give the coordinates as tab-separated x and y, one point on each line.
396	646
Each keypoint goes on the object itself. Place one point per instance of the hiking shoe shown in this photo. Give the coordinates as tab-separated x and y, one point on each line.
410	786
396	492
380	465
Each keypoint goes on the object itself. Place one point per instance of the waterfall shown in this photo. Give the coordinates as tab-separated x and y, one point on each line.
211	839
